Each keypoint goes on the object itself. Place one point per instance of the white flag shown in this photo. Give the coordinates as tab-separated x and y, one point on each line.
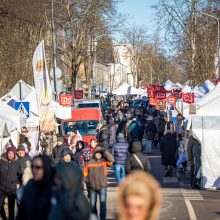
43	90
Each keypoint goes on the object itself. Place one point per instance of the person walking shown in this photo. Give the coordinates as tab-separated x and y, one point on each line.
137	160
66	156
80	146
75	137
56	153
86	154
150	132
35	204
139	198
103	137
24	161
120	154
168	148
68	199
10	180
112	129
96	173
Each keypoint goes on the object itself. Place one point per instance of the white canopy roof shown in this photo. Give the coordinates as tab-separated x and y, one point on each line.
186	89
207	86
123	90
179	85
168	84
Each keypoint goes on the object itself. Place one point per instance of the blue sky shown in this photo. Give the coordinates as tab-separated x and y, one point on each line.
139	11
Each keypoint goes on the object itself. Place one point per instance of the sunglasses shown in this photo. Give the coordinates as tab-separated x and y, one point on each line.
36	167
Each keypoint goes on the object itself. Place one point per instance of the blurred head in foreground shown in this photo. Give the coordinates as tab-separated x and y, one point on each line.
139	197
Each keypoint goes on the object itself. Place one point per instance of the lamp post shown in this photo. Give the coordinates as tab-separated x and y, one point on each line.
218	40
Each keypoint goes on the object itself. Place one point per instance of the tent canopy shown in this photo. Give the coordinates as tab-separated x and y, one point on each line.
207	86
4	129
123	90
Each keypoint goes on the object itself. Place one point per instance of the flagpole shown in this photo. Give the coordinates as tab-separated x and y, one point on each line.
54	55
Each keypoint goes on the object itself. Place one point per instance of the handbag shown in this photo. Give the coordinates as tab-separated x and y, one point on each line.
140	163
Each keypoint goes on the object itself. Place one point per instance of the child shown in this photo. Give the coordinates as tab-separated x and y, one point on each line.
96	172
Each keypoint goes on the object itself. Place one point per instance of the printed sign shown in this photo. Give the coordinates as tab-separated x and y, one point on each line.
160	95
66	99
171	100
160	105
188	98
78	94
23	108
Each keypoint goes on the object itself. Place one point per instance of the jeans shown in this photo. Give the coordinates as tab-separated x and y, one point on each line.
19	194
119	172
148	146
93	200
11	204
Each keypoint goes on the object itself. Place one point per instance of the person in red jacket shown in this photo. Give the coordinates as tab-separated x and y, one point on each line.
96	173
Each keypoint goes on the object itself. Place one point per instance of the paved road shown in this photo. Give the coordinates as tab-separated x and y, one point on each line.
179	201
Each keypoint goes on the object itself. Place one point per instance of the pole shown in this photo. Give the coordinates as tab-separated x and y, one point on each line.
54	55
20	92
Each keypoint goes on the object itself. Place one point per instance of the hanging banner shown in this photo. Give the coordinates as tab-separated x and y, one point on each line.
66	99
152	101
177	93
171	100
160	105
150	92
78	94
43	90
160	95
188	98
159	88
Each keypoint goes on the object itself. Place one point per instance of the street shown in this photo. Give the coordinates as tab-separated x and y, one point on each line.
179	201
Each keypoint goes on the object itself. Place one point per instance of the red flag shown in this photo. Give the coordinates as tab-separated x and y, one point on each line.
78	94
160	105
171	100
160	95
66	99
188	98
159	88
152	101
177	93
150	92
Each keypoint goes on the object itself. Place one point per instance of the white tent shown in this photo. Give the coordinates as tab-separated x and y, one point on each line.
207	130
168	84
186	89
4	134
179	85
123	90
212	95
207	86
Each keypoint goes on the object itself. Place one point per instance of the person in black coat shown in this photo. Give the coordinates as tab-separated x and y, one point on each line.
10	179
68	200
23	157
103	137
168	148
137	160
35	204
80	145
57	150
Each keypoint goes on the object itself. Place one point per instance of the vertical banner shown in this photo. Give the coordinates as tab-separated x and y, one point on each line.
43	90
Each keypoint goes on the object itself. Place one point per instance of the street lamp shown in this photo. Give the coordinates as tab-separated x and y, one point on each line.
218	40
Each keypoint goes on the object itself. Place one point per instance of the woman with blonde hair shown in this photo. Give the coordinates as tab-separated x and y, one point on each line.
139	197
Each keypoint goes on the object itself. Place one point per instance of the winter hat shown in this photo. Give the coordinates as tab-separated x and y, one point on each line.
121	135
11	149
21	148
60	139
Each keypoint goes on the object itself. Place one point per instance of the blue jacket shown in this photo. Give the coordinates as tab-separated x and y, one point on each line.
120	151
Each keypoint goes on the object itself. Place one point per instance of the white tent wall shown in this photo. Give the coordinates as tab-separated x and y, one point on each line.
207	130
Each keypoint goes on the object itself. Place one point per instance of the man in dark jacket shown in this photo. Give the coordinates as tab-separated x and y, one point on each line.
137	160
96	172
103	137
69	200
120	153
56	153
10	179
168	148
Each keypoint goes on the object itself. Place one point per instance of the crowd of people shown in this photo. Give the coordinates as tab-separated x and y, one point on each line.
52	184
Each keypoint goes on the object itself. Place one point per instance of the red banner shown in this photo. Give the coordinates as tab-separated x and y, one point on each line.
171	100
150	92
188	98
152	101
78	94
160	95
177	93
159	88
160	105
66	99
